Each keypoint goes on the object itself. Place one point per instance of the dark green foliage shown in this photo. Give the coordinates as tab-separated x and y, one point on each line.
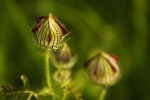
120	27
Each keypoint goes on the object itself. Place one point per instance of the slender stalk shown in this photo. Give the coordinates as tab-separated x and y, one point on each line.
47	71
103	93
30	96
16	93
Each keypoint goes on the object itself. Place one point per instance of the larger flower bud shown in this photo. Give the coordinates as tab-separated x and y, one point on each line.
103	69
48	32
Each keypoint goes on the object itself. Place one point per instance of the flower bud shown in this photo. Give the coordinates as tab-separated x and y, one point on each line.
65	58
103	69
48	32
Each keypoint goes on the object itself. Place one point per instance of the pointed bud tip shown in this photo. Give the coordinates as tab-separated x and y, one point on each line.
50	15
49	32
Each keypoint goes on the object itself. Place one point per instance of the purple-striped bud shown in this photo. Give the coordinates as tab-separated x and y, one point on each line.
48	32
65	58
103	69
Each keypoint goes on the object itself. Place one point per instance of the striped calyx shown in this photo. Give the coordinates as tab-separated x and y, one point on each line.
65	54
103	69
65	58
48	32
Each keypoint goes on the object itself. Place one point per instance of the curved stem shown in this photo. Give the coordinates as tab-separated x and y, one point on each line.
47	71
30	96
103	93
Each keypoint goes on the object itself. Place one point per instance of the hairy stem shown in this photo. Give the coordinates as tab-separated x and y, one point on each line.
103	93
47	71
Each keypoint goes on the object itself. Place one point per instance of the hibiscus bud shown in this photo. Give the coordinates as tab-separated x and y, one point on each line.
48	32
103	69
65	58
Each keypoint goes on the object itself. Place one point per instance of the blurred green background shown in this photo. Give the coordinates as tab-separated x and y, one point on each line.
115	26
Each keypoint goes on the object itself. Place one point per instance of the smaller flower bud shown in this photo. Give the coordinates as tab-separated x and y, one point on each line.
48	32
65	58
103	69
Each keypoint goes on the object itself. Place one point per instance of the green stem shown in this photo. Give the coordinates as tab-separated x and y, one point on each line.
47	71
30	96
17	93
103	93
